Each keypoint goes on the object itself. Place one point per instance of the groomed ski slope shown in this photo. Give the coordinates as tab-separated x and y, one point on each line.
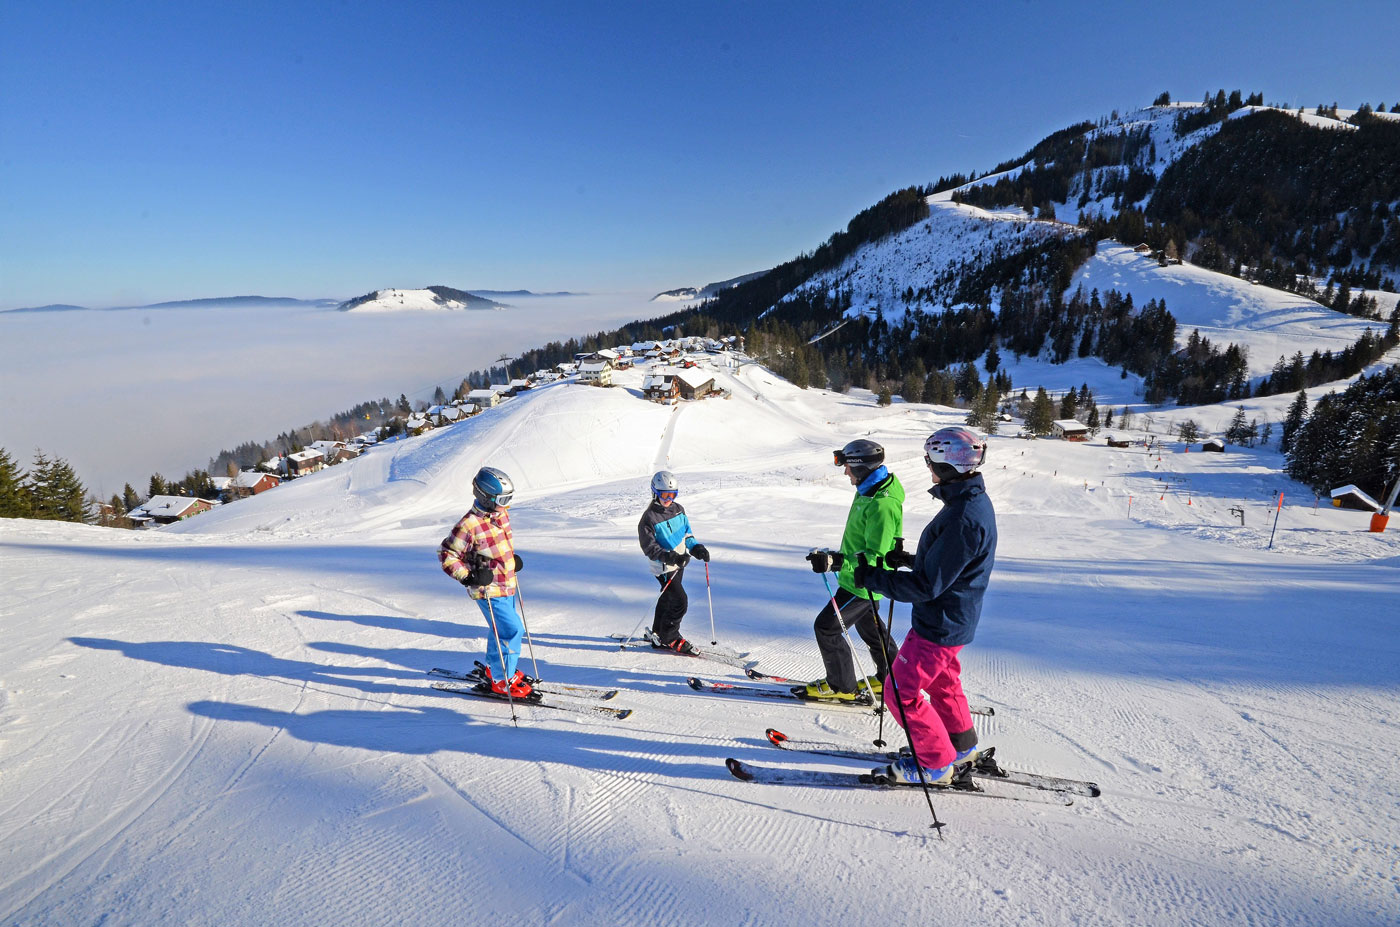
228	722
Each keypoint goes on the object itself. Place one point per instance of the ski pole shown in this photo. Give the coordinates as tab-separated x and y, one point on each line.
623	645
500	652
846	632
904	718
713	638
880	737
529	641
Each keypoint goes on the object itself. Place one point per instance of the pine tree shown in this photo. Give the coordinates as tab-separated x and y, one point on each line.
14	500
1069	405
130	499
1093	421
1238	432
1041	417
993	358
1188	431
55	492
885	397
1293	420
1125	418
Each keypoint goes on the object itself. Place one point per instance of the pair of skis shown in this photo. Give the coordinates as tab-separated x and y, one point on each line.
474	683
862	699
648	640
985	766
968	782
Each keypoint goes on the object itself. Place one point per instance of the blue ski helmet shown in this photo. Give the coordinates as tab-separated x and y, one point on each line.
492	488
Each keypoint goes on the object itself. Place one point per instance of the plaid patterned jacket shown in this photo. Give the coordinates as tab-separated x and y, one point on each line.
481	535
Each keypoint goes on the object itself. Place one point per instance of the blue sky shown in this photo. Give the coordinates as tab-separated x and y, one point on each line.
154	151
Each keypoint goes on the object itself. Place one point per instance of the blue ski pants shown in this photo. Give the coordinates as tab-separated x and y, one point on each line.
503	619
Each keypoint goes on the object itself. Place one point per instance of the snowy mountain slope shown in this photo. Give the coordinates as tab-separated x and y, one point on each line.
229	723
1271	323
931	253
433	298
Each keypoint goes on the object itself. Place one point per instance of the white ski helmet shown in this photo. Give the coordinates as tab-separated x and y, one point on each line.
664	481
951	451
492	488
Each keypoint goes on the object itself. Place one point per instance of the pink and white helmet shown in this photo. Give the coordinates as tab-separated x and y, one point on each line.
960	448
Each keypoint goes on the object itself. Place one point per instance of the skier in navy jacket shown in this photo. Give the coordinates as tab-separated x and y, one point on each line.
948	580
666	539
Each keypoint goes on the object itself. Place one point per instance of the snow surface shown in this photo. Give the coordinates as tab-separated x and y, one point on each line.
227	722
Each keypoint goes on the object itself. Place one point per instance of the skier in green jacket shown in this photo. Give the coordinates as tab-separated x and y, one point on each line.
875	520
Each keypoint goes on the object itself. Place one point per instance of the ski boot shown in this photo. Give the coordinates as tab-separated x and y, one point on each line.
679	645
904	771
821	691
518	686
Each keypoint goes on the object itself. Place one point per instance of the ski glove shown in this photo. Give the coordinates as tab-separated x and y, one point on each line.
865	569
700	552
899	558
674	558
519	564
825	561
481	575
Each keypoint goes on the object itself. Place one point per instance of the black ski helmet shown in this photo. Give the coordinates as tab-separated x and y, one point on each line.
861	455
492	488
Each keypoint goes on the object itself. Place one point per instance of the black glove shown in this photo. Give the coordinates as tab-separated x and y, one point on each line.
519	564
674	558
864	570
899	557
825	561
481	575
700	552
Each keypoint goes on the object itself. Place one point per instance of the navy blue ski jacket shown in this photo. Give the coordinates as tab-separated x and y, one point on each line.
951	567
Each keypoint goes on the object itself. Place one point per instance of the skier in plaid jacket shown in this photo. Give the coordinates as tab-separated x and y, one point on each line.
480	554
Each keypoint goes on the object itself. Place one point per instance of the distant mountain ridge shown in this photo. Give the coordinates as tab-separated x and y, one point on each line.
705	292
433	298
217	302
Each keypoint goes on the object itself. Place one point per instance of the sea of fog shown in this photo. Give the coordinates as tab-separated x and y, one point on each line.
123	393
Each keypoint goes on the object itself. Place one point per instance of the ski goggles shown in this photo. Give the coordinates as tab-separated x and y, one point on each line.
503	498
667	495
839	458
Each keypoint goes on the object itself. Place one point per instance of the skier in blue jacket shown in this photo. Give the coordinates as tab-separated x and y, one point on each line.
666	539
948	580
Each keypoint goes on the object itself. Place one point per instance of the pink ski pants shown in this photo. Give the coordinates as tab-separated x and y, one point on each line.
930	686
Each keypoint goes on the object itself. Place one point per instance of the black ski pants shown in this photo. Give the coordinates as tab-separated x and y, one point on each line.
670	608
857	612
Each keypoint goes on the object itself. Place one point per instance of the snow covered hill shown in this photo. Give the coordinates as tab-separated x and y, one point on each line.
433	298
228	722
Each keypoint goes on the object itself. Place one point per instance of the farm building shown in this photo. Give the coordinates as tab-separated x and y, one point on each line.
303	462
1070	430
595	373
660	387
693	384
1352	497
166	510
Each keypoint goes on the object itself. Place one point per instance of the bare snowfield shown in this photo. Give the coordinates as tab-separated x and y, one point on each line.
228	722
